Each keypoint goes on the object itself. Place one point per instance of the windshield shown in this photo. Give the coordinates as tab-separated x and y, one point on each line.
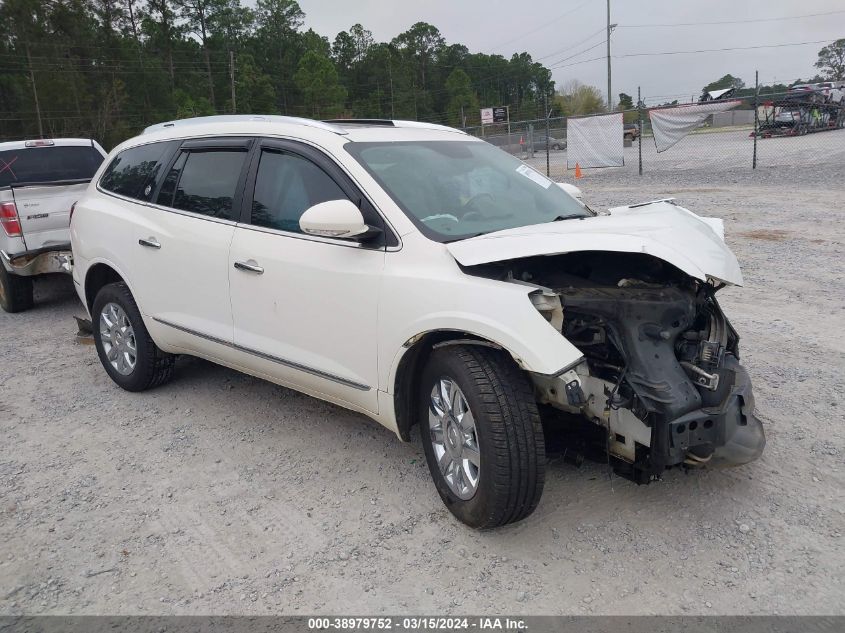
457	189
33	165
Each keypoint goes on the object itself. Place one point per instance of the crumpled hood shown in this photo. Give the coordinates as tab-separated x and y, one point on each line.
662	229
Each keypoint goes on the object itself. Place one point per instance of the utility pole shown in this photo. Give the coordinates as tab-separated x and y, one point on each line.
34	92
609	92
232	79
390	76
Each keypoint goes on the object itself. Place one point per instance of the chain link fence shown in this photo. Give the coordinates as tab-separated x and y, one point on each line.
775	130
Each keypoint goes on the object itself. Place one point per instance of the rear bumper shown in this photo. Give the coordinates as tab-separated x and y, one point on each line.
51	259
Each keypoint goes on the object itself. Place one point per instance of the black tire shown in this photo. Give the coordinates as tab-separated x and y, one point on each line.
509	434
15	291
152	366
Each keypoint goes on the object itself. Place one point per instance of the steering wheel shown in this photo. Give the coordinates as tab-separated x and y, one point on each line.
470	204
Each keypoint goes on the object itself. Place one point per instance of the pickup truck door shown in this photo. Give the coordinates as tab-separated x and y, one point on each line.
305	307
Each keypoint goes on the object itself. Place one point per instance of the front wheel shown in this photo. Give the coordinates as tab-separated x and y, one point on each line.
128	354
481	434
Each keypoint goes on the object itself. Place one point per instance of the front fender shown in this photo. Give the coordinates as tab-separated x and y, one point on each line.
508	319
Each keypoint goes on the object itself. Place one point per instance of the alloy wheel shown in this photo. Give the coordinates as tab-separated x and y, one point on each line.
454	438
118	339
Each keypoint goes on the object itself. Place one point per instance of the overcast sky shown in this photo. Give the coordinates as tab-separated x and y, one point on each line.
550	30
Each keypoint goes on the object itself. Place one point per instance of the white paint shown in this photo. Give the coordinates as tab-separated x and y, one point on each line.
661	229
336	306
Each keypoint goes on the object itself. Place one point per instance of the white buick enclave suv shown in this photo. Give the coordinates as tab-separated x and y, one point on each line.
421	277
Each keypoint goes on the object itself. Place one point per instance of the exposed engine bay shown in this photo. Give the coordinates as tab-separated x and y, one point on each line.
661	377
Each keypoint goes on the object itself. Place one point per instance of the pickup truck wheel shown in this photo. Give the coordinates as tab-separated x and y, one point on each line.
129	355
15	292
481	434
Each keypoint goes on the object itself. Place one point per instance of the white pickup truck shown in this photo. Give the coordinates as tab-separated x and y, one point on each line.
39	182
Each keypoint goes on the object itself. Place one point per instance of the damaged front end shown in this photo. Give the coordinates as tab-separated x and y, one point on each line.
661	377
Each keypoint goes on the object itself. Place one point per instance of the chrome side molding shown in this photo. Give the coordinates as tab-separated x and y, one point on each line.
269	357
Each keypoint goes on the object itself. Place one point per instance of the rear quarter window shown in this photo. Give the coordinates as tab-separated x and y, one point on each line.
34	165
132	173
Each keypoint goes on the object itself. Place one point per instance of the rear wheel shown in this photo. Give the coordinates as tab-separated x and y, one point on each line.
128	354
15	291
482	435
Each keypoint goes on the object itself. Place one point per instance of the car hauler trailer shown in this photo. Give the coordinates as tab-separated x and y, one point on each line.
798	114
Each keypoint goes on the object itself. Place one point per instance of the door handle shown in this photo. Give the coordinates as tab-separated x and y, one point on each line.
249	266
150	242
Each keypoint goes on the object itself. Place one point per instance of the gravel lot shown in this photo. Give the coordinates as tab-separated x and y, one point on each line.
220	493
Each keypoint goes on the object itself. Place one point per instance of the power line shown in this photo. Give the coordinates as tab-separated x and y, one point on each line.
583	61
542	26
660	53
555	64
791	17
578	43
718	50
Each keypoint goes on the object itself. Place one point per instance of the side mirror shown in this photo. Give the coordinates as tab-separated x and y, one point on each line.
336	218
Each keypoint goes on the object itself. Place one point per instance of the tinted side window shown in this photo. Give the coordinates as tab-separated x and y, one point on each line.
285	186
133	170
207	183
168	187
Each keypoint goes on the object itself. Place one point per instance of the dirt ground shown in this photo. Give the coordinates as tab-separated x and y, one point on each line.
223	494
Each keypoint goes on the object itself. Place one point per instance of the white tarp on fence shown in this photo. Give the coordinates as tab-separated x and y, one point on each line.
595	141
670	125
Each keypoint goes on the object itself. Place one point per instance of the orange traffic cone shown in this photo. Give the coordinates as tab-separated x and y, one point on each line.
578	173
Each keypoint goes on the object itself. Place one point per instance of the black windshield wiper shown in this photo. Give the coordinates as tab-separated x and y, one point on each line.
567	217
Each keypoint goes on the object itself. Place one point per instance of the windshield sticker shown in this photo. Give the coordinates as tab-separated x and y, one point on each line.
529	173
